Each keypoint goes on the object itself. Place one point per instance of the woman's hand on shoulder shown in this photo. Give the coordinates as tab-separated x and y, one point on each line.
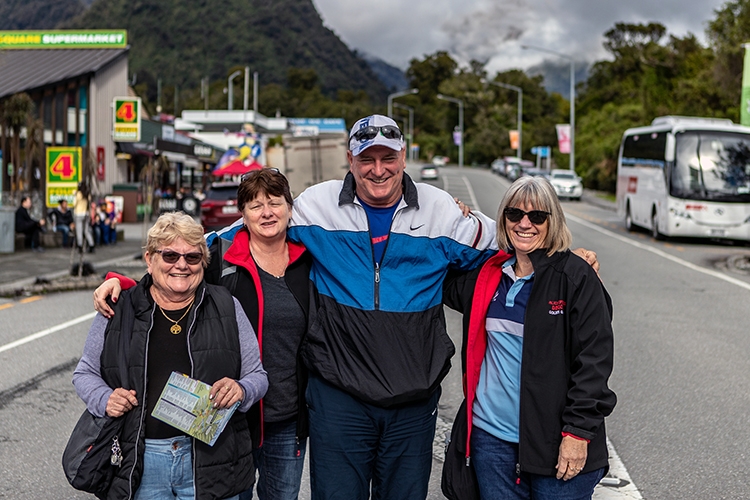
120	402
110	287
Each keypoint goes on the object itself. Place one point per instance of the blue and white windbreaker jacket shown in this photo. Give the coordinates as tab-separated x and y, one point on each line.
378	332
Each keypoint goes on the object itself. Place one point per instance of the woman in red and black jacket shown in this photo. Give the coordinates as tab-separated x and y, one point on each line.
537	355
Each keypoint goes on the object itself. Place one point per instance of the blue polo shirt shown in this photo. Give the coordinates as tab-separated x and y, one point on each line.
497	404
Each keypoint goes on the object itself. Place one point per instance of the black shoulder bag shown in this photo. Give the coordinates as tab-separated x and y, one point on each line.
93	450
459	481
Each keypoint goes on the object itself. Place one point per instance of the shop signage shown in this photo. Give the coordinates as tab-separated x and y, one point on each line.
63	174
127	119
64	39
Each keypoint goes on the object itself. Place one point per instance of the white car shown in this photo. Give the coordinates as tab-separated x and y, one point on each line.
429	172
566	183
440	161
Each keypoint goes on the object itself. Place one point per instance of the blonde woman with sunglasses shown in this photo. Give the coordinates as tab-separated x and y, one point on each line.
179	323
538	352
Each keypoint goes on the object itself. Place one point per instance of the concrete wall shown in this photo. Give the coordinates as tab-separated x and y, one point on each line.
108	83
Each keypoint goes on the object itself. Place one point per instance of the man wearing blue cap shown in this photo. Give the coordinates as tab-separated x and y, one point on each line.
377	348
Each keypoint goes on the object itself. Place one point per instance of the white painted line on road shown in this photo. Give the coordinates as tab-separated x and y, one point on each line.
474	202
44	333
660	253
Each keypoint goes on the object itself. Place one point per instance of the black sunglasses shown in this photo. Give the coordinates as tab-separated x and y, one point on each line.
171	257
253	173
368	133
516	214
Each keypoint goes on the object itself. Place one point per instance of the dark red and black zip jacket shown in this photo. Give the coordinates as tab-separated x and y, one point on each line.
566	360
243	282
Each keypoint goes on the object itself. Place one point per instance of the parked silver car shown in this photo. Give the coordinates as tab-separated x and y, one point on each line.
566	183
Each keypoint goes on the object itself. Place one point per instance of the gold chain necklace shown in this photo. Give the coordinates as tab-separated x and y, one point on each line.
176	329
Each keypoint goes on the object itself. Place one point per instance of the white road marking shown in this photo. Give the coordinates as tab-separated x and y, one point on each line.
474	202
660	253
48	331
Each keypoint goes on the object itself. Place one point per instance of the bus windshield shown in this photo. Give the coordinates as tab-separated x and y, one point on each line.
711	166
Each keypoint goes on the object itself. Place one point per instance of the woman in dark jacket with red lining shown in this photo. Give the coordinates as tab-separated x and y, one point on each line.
270	278
537	354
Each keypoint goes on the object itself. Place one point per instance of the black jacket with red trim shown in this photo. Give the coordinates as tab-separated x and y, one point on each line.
566	360
238	273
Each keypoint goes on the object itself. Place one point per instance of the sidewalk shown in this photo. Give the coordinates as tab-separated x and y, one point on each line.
19	271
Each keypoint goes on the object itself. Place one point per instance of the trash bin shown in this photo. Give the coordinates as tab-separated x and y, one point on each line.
7	229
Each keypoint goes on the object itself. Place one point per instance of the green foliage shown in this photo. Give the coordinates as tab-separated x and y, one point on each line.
182	41
36	14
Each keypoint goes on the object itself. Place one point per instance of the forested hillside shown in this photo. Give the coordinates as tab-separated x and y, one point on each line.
36	14
182	41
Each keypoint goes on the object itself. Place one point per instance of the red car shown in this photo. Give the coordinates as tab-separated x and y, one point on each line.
219	208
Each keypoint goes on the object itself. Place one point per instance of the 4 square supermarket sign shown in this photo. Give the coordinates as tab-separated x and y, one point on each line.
127	119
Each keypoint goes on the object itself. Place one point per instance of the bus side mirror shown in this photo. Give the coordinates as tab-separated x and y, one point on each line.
669	154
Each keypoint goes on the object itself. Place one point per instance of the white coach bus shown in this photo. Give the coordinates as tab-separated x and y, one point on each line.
686	176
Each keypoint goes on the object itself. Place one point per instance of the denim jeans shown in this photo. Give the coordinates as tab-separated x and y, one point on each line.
353	443
167	470
495	465
278	463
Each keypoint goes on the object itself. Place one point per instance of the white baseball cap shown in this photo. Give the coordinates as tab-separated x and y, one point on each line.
375	130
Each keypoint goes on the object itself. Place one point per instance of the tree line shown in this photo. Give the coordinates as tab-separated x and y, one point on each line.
649	73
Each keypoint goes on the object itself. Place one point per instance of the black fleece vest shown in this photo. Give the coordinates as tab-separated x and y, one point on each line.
222	470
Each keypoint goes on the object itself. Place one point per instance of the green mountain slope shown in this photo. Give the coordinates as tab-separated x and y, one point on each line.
181	41
36	14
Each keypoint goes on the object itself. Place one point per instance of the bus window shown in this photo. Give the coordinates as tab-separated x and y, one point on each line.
645	150
712	166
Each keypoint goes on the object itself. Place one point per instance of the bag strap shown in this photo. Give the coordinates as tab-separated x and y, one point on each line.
126	333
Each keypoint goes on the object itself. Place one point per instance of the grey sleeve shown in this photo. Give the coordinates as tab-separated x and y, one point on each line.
253	378
87	379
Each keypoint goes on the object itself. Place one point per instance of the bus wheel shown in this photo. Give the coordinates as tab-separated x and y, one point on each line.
655	227
628	219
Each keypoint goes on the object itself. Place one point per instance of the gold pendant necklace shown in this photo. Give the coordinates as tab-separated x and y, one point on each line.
176	329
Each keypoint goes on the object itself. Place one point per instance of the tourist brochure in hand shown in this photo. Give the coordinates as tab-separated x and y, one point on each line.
184	404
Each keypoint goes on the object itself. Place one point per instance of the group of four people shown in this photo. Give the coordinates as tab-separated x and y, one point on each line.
344	289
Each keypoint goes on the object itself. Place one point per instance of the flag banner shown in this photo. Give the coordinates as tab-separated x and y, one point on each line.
563	137
745	104
513	139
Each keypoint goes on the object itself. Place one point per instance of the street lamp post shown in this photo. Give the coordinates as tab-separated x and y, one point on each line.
460	126
230	90
410	131
393	96
520	110
572	99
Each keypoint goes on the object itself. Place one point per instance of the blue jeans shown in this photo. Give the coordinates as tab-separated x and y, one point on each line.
495	465
65	230
167	470
279	463
353	443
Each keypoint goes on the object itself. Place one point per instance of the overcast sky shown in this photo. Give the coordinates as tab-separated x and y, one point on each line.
493	30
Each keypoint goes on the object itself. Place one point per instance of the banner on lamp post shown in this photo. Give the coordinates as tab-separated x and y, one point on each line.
745	104
513	139
457	137
563	137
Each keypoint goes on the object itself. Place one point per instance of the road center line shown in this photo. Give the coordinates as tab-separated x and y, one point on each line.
474	202
660	253
44	333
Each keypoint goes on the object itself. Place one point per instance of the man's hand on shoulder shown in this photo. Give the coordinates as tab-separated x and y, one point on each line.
590	257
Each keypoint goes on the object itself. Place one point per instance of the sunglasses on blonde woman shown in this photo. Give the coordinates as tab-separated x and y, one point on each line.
171	257
516	214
